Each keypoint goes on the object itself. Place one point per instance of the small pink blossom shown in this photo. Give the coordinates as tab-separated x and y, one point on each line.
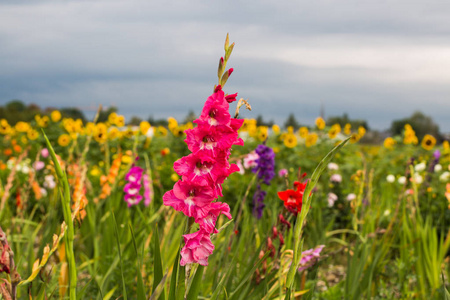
337	178
44	153
282	173
250	160
310	257
38	165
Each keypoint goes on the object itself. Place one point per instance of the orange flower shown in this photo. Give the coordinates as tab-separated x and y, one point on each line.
36	190
17	148
7	152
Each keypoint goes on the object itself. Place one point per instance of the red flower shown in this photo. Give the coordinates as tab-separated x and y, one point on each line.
293	198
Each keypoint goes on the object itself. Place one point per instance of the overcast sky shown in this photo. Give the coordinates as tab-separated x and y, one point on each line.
374	60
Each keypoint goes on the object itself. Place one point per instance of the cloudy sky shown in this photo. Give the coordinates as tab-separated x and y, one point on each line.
375	60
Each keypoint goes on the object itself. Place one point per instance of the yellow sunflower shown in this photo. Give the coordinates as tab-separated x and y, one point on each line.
389	143
428	142
55	116
64	140
320	123
290	140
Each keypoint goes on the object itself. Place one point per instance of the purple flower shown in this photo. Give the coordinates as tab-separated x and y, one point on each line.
258	202
437	155
265	170
265	164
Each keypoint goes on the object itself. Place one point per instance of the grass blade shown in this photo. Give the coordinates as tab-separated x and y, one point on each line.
140	281
116	230
157	263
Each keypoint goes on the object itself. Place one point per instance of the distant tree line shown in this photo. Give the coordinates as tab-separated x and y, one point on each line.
15	111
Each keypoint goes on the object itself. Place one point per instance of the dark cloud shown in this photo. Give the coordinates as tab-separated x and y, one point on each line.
378	60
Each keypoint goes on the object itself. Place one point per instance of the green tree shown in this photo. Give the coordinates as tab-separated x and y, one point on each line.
421	124
291	121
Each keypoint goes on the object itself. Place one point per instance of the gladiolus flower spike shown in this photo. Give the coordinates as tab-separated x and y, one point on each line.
202	174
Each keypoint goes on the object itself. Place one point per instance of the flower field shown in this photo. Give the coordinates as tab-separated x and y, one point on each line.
220	208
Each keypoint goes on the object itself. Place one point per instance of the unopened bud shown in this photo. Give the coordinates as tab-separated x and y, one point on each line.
221	68
274	232
228	52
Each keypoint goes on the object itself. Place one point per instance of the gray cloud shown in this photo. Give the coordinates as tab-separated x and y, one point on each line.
378	60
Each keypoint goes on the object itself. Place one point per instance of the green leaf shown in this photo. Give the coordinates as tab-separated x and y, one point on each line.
174	278
157	263
116	230
306	205
248	275
140	281
196	283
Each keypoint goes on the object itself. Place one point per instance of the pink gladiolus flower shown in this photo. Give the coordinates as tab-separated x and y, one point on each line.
134	175
202	174
208	223
197	248
193	200
132	188
148	190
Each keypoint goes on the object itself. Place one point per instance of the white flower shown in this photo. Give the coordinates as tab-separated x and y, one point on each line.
333	166
25	169
390	178
402	180
444	176
387	212
418	179
420	167
351	197
336	178
437	168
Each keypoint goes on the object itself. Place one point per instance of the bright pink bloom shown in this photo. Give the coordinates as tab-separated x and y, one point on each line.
134	175
192	199
211	140
197	248
132	199
208	223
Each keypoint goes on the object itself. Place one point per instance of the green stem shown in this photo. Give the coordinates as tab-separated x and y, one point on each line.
69	236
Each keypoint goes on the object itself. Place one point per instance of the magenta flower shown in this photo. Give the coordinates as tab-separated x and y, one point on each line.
132	188
197	248
203	173
193	200
208	222
135	174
